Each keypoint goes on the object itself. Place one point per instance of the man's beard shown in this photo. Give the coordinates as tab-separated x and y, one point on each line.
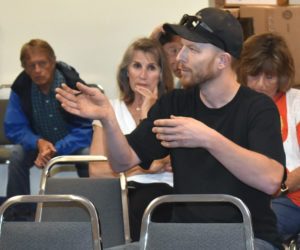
199	78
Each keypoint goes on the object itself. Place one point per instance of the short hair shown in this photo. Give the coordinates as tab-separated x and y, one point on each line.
153	47
36	43
166	37
267	53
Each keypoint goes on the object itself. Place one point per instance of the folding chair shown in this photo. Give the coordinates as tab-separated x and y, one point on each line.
109	195
197	235
5	144
50	235
204	236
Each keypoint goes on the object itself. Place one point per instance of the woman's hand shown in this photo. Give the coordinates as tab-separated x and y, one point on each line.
149	99
161	165
157	32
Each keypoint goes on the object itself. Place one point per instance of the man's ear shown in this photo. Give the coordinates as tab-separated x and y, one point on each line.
224	60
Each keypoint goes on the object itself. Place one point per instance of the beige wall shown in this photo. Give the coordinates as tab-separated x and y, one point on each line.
90	35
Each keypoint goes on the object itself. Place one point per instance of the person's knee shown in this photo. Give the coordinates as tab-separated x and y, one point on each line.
19	158
288	215
17	155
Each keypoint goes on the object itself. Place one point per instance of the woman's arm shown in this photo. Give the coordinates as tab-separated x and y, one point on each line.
99	169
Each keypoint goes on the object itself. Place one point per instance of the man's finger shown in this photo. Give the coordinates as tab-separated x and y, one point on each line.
87	90
63	95
170	144
164	130
38	163
65	102
165	122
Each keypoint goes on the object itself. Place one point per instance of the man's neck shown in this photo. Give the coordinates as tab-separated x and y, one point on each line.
220	91
45	89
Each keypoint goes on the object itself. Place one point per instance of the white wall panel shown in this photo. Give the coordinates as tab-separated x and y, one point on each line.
91	35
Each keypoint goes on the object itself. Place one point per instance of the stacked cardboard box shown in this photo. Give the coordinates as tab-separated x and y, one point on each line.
234	11
291	2
255	2
280	16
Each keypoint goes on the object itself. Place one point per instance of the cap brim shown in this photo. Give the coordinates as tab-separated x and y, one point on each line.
186	33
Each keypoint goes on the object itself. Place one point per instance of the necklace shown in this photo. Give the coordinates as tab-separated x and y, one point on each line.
138	109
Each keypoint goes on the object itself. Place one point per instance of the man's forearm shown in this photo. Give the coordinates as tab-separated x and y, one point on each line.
120	155
252	168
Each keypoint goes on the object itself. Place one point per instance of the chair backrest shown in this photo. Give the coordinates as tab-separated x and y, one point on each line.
165	236
50	235
5	144
95	85
109	195
3	139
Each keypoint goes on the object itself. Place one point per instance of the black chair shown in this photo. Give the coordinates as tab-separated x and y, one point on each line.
109	195
50	235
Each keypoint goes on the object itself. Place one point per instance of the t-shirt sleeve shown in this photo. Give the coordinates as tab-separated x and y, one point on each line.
264	130
143	140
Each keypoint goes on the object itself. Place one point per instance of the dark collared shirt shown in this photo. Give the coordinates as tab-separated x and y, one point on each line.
48	121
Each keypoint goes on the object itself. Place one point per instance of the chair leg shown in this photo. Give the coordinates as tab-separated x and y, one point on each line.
294	244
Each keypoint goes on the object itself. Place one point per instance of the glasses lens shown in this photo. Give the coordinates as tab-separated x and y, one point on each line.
183	19
190	21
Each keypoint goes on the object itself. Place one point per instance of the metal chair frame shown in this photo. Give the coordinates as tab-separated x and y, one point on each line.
249	236
85	158
5	144
58	198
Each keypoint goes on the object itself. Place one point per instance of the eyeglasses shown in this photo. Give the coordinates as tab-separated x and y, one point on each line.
194	23
32	66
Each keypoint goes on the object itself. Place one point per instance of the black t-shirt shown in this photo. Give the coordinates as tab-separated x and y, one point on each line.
250	120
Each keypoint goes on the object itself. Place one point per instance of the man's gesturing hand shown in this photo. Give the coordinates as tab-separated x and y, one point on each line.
181	132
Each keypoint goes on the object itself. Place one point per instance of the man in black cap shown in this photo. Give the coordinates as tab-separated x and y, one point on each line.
222	137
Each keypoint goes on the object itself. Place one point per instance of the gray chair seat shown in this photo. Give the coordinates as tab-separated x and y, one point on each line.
50	235
129	246
46	236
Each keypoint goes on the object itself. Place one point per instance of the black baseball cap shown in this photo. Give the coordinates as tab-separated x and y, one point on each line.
211	25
